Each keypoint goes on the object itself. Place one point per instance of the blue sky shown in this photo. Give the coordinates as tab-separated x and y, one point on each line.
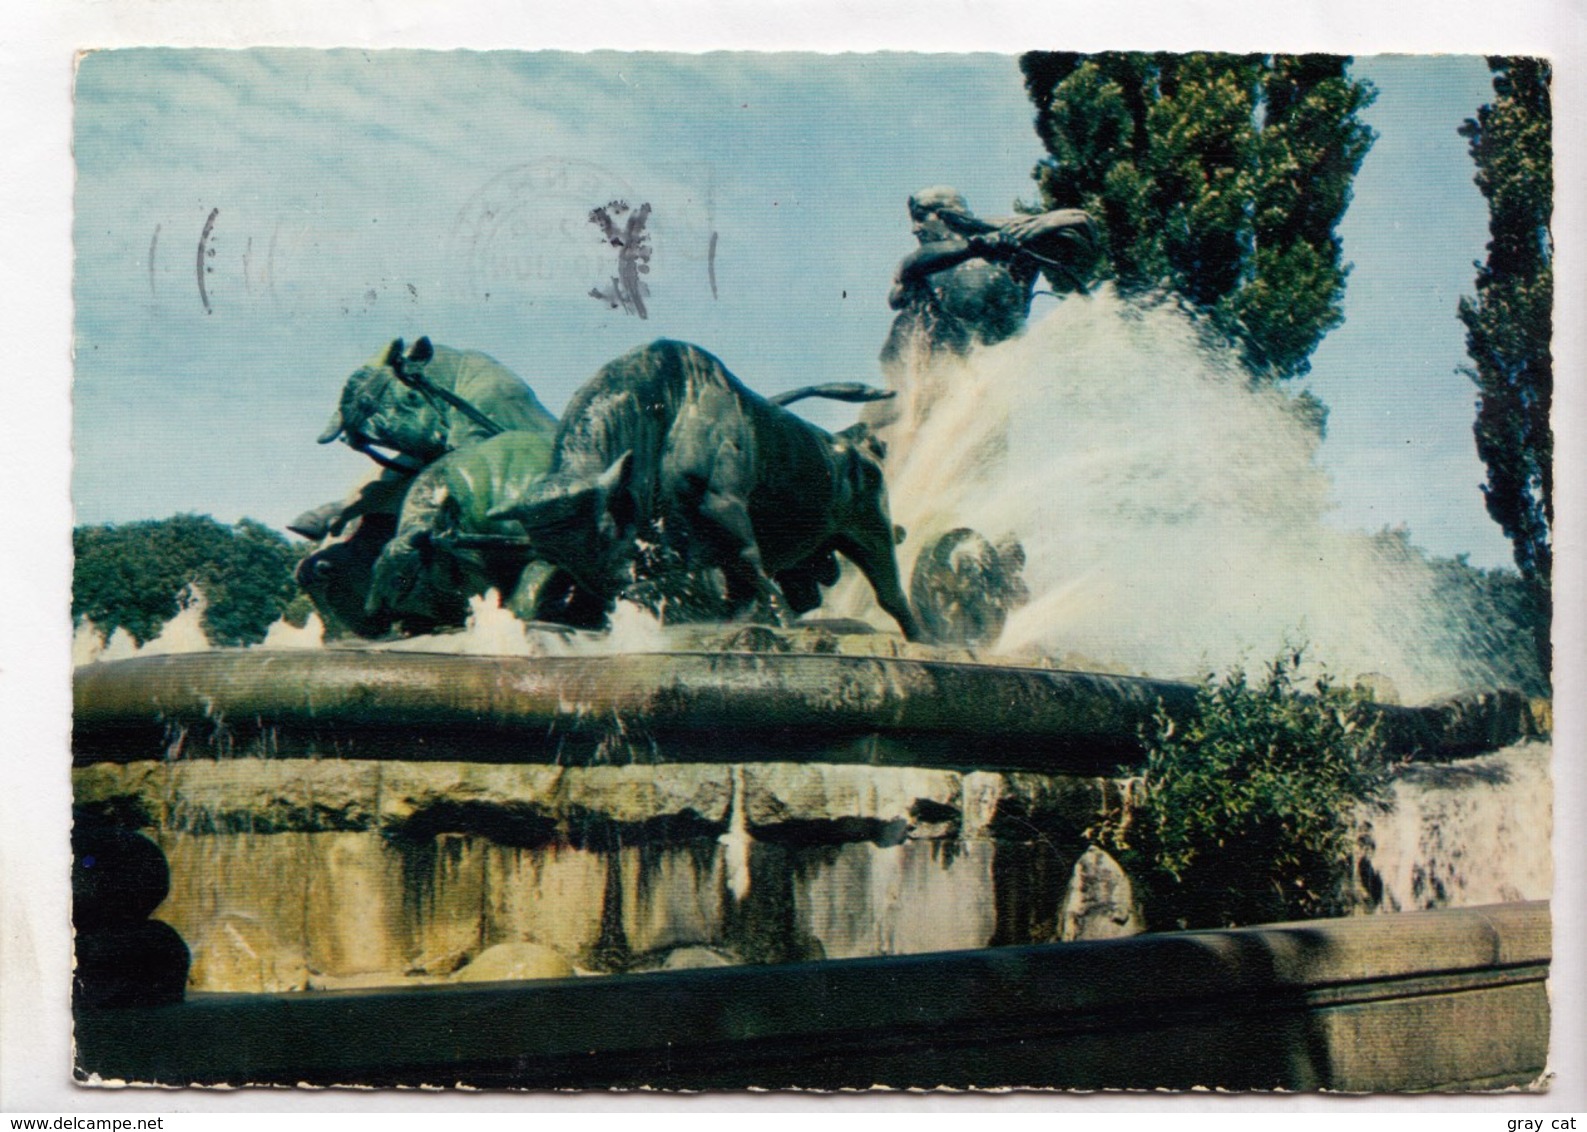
366	195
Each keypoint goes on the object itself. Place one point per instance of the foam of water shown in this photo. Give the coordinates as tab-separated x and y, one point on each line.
489	631
633	629
181	634
284	635
1463	834
1173	519
88	643
184	632
736	841
492	630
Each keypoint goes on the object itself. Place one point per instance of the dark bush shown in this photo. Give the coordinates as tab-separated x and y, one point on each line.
132	575
1245	812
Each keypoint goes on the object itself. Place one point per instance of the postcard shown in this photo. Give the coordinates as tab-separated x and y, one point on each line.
778	570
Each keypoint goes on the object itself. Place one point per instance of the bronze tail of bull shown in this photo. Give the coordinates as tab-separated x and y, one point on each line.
854	391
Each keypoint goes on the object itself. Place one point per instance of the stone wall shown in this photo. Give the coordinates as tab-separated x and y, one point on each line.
288	874
1454	999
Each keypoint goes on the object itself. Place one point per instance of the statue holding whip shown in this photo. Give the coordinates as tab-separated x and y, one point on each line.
970	281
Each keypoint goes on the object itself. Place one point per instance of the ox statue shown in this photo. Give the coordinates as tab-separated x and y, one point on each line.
665	445
447	549
419	405
431	400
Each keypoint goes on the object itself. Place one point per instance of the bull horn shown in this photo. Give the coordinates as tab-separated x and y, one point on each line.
334	429
618	476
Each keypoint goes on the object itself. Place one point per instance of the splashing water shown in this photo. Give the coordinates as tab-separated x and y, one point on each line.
88	643
489	631
1463	834
283	634
633	629
736	841
1172	517
183	633
492	630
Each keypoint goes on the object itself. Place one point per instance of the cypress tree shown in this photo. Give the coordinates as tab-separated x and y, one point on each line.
1217	178
1509	322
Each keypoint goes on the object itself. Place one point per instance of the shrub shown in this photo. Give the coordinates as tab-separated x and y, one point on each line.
1244	812
131	575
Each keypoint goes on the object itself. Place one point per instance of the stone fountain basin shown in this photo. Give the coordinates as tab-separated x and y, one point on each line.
666	707
353	817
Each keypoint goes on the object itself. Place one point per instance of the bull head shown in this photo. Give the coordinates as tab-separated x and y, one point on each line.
587	528
412	583
388	405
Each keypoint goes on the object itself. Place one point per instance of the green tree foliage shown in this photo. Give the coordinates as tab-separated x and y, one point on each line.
1217	178
132	574
1509	324
1244	813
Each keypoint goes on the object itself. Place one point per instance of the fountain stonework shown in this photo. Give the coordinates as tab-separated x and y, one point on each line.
361	817
402	868
357	817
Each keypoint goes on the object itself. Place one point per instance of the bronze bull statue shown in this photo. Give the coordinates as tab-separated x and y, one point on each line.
665	445
446	548
431	400
407	410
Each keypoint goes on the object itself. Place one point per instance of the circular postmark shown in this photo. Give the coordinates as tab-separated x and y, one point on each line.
528	228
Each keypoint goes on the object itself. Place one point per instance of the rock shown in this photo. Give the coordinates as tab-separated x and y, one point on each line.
933	821
238	953
694	958
691	958
511	962
129	794
1020	806
274	795
408	789
1100	902
523	803
637	794
356	902
437	963
780	793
